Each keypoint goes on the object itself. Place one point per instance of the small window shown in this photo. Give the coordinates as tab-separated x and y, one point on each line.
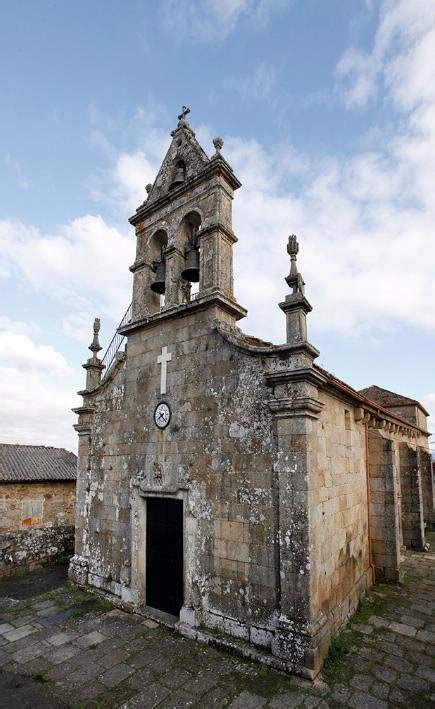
347	420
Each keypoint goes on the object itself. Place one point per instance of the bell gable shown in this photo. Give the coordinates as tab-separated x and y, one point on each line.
184	159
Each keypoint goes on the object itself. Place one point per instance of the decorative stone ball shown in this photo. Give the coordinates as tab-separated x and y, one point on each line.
218	144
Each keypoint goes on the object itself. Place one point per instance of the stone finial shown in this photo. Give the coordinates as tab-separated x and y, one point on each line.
95	344
294	279
148	187
218	143
295	305
94	365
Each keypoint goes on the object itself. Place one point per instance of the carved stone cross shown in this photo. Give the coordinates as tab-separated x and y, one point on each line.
184	111
163	359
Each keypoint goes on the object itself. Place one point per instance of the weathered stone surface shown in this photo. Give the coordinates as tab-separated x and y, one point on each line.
361	700
175	671
39	504
247	700
32	547
285	503
91	639
116	675
19	633
61	638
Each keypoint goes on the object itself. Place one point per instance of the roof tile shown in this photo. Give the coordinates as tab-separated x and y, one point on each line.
21	463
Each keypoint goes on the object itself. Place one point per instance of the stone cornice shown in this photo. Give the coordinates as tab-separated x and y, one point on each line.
201	303
295	301
216	166
140	263
83	409
302	406
145	490
82	429
266	348
93	365
303	374
218	226
120	357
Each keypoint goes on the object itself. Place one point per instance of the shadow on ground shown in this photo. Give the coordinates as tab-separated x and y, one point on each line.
62	647
34	583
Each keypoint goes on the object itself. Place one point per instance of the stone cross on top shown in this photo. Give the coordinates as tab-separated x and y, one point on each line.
184	111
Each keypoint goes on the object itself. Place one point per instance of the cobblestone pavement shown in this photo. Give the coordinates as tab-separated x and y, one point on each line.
66	648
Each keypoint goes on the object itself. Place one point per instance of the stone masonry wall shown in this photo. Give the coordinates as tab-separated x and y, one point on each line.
385	524
25	550
44	504
412	498
340	552
218	448
425	462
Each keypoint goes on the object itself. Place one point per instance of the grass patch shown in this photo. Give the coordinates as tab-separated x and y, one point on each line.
62	559
91	605
78	613
377	602
266	682
335	667
40	677
103	604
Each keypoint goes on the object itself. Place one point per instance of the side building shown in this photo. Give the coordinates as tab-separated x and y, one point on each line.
37	505
226	481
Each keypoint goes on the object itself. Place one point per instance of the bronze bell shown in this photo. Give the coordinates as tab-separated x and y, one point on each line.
191	272
179	177
158	284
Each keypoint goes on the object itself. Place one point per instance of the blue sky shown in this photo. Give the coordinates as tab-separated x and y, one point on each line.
328	114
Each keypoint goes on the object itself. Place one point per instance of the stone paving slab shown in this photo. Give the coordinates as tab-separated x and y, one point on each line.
88	654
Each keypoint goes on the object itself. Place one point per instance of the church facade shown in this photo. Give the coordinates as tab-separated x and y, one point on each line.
225	482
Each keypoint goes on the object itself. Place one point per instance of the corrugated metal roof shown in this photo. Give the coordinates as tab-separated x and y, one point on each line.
19	463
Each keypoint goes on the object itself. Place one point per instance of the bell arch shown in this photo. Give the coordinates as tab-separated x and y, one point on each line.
157	244
192	220
189	243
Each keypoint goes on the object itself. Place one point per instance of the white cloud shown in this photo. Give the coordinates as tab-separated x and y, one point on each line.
78	326
367	261
401	57
17	326
20	351
84	263
215	20
365	223
123	185
38	408
36	390
359	71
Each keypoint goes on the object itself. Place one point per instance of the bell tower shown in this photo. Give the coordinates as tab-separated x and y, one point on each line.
184	232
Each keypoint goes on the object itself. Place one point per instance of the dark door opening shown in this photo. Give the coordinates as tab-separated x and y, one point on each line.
164	550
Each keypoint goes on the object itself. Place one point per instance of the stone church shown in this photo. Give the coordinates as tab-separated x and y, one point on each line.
226	484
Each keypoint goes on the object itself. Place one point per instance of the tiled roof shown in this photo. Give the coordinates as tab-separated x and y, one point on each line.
19	463
362	396
389	398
